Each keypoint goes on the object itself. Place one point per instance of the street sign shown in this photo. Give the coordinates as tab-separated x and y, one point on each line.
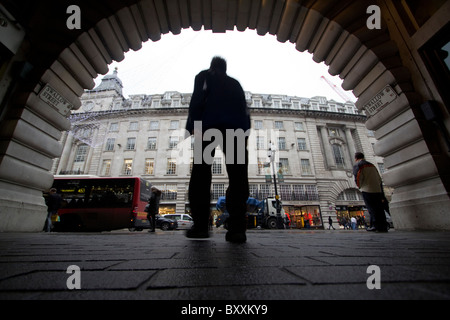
381	100
54	99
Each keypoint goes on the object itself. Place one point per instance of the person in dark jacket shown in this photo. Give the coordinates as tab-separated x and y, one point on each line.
218	105
153	207
53	202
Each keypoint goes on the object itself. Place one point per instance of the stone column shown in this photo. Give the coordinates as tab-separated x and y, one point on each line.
327	148
350	144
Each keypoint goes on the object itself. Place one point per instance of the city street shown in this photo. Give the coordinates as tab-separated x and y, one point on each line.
272	265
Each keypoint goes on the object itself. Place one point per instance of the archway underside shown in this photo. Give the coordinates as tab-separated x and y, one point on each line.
367	60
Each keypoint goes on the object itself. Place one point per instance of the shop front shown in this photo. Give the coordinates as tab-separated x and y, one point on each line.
344	214
304	217
167	209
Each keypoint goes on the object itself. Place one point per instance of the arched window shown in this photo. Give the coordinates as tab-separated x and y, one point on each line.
338	156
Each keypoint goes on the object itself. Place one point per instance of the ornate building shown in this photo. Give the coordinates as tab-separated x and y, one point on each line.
314	138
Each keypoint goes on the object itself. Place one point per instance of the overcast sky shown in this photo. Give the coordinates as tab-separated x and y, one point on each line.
260	63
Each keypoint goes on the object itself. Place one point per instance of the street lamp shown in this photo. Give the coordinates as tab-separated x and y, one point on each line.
271	155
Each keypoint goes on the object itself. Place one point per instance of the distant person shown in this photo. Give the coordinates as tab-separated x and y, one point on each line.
152	207
368	181
330	223
353	221
53	202
218	103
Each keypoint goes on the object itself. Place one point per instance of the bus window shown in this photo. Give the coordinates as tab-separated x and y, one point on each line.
96	193
146	191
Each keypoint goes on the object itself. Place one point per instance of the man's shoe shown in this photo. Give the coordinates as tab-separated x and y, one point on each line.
197	233
371	229
236	237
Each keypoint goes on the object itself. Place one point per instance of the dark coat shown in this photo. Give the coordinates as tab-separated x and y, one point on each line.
219	102
153	204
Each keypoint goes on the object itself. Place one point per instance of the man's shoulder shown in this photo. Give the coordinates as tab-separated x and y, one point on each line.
365	163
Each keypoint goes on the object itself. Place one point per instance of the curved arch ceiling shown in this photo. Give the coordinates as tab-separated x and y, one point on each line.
333	31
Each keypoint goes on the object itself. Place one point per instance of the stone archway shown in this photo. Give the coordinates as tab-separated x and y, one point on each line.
335	32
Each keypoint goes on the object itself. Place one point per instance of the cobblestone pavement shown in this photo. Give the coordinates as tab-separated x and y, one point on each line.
272	265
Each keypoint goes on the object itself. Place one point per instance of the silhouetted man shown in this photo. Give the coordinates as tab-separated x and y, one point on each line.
218	115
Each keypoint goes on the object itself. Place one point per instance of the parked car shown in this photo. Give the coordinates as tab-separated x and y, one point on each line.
165	223
184	221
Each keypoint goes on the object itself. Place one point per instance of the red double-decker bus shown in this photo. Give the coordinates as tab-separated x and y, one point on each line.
100	204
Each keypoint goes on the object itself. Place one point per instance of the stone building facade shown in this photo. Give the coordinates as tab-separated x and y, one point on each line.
144	136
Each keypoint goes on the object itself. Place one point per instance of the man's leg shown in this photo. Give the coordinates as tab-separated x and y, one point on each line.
200	197
237	194
375	208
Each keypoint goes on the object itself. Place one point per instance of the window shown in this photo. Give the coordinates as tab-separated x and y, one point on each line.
175	103
131	144
306	167
276	103
338	155
80	155
169	192
218	190
171	166
253	190
257	103
136	104
261	166
110	144
381	167
278	125
114	127
284	166
281	143
299	126
333	132
117	105
285	191
351	195
173	142
217	166
260	145
258	124
436	56
311	192
149	166
156	103
301	143
174	124
134	126
154	125
296	105
127	167
265	190
106	168
151	143
298	192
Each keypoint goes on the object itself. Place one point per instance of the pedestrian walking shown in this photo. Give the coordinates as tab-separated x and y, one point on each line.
152	207
53	202
353	221
218	103
368	181
330	223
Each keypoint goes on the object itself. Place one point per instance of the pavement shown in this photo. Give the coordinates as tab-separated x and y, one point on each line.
273	265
